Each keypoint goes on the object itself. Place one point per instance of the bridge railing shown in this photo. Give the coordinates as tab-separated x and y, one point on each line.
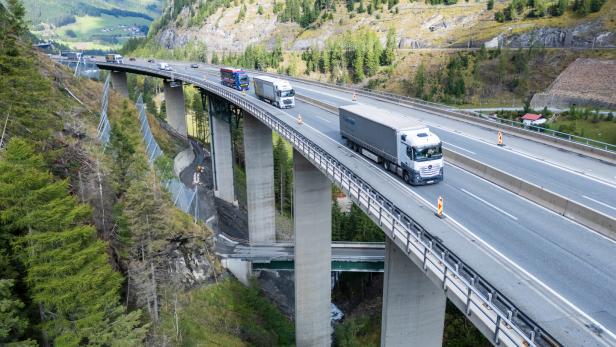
183	197
507	323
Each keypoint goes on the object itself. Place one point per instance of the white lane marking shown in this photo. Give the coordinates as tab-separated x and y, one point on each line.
323	119
458	147
599	202
489	204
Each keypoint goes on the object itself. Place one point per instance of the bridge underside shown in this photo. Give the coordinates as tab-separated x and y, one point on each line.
337	266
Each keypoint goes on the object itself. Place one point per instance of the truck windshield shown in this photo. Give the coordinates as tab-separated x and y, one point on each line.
286	93
243	79
427	153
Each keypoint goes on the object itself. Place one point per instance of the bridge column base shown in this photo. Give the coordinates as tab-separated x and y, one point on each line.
312	204
176	112
259	157
413	307
119	82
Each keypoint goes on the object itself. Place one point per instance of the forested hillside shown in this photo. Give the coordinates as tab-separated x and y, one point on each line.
92	251
91	24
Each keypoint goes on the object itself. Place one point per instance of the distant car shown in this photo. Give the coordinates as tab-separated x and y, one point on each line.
163	66
93	56
194	66
169	68
150	60
131	58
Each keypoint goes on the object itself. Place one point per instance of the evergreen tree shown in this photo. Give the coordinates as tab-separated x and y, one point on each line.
561	7
387	57
13	324
144	207
350	4
162	112
420	81
123	146
490	5
67	270
283	177
215	59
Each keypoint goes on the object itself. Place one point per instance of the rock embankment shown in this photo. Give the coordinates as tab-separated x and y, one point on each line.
585	82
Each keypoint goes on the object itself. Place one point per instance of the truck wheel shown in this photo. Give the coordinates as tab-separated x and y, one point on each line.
386	165
406	177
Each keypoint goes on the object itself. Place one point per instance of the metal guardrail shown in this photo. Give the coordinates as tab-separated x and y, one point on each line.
507	323
182	196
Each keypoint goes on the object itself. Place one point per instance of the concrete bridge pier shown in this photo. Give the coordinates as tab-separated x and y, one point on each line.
174	100
222	148
259	159
119	82
312	205
413	306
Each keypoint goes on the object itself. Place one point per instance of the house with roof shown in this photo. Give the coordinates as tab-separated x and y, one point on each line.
533	119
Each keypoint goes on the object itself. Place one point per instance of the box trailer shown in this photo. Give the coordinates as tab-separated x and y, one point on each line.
277	92
401	144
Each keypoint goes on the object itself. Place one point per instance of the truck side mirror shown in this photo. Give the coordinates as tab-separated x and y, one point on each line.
403	137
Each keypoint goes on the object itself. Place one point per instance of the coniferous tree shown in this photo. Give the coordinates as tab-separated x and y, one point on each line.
123	146
420	81
387	57
67	270
13	322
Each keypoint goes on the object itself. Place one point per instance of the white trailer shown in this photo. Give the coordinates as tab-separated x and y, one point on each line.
276	91
400	143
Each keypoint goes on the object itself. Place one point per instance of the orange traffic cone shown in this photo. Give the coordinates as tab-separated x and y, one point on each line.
300	120
439	207
354	97
500	138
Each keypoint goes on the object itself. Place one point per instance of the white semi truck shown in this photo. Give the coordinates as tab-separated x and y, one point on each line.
278	92
401	144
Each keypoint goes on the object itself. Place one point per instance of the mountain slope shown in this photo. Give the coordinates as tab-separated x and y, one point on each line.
90	24
224	25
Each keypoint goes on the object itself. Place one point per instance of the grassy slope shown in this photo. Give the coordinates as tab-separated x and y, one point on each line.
226	314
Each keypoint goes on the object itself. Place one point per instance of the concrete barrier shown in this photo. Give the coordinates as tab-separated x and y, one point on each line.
593	219
598	221
317	103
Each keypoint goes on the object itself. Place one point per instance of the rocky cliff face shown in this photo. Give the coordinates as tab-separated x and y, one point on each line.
585	35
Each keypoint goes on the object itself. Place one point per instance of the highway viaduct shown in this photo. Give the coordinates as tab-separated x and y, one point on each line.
427	259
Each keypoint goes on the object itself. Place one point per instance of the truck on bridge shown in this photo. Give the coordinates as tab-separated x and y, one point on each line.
114	58
234	78
401	144
277	91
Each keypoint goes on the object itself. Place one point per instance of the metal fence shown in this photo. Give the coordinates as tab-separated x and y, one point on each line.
507	323
183	197
104	128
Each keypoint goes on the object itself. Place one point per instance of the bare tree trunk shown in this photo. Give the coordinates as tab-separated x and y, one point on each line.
152	273
100	192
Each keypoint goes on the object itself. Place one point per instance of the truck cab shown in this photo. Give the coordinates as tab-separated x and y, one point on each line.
285	95
421	156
